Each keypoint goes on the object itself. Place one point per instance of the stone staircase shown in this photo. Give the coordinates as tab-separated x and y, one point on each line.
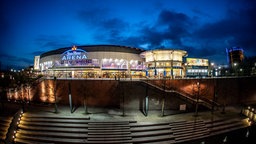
45	128
151	133
42	128
5	122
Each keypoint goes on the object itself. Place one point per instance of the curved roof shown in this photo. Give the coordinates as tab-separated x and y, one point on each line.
96	48
164	50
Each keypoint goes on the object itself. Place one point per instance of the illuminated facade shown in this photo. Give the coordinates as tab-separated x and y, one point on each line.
94	61
111	61
164	63
196	67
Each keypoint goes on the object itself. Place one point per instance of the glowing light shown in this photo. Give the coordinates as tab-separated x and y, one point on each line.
74	48
43	96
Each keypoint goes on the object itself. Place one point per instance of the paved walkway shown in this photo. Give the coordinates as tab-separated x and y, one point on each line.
106	114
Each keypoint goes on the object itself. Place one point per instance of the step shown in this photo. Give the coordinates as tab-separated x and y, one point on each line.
103	139
150	128
189	130
28	115
187	123
188	126
57	129
54	120
71	125
5	123
152	139
181	135
2	136
221	123
225	127
52	139
24	141
191	138
109	123
142	124
212	133
108	135
151	133
108	128
3	128
52	134
5	119
110	142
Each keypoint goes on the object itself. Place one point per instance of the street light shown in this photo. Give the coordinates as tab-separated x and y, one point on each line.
235	68
212	67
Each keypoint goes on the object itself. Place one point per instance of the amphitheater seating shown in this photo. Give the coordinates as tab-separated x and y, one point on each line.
151	133
45	128
58	129
4	125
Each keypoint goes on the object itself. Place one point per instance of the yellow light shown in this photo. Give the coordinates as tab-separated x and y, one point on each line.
74	48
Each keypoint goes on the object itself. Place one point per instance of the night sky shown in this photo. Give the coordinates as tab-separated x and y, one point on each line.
202	27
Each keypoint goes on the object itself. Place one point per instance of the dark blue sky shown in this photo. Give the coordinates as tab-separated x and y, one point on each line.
202	27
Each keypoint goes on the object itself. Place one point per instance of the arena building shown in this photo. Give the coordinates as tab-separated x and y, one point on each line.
110	61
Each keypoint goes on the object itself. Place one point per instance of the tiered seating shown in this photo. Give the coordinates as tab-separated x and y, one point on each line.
224	125
51	129
185	131
109	132
4	125
151	133
59	129
62	129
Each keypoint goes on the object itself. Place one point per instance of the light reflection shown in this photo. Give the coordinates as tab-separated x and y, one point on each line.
16	97
43	96
51	93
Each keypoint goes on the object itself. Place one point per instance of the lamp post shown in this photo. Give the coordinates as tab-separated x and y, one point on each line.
164	96
55	97
212	67
146	99
197	98
69	90
235	68
214	95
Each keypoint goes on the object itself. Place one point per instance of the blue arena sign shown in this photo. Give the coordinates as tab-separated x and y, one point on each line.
74	54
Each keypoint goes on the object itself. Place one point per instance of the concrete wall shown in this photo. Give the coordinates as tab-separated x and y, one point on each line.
110	93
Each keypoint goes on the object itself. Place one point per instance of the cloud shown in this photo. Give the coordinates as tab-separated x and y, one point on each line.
48	42
237	29
36	53
108	28
11	61
93	17
173	19
15	58
179	31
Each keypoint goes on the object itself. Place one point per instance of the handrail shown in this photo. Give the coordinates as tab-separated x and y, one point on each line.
206	102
